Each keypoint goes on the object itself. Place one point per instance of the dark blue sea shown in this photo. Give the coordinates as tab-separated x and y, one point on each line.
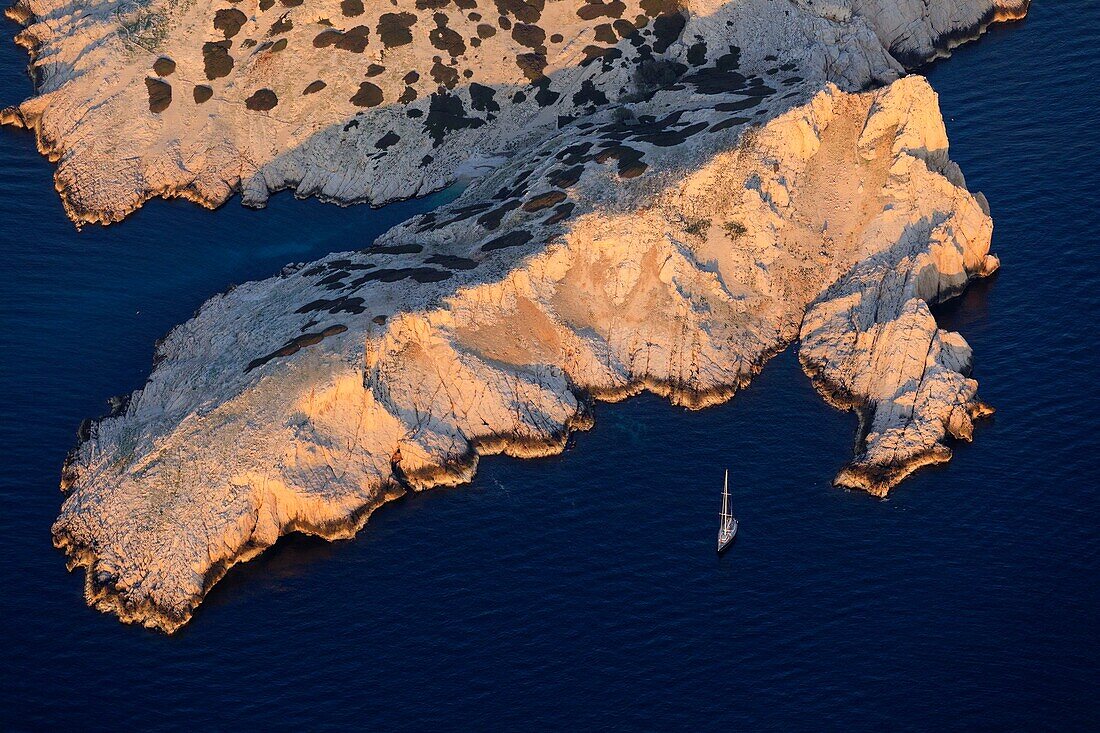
583	591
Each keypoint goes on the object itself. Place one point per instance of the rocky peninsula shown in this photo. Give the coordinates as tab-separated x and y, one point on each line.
354	101
677	192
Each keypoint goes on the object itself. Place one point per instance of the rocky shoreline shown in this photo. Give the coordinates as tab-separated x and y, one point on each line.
688	189
465	87
212	460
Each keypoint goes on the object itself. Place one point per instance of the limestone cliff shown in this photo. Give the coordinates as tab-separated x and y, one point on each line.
370	101
675	250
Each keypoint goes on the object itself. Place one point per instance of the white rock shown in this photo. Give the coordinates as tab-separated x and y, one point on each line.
116	147
305	401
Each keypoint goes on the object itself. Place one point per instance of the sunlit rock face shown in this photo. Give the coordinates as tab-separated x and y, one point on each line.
674	251
667	195
375	101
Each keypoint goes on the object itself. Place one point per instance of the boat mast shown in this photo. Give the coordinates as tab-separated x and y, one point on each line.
726	498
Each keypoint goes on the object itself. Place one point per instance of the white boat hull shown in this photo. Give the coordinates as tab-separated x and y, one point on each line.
724	540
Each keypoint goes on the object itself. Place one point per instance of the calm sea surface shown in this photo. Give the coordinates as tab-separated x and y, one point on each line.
583	590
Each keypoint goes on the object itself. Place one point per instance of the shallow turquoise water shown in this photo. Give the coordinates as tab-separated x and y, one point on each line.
582	590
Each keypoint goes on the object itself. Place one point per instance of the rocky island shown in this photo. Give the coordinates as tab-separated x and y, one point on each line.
670	194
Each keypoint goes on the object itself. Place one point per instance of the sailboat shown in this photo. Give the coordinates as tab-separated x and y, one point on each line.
727	530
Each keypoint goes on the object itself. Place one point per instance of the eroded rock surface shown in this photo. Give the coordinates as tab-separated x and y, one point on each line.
675	251
354	101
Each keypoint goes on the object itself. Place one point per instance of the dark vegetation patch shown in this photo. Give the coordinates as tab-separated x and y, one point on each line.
628	158
394	28
491	220
603	53
375	70
544	201
574	153
561	213
261	100
544	96
160	94
453	262
326	38
734	229
697	54
334	280
654	74
606	34
697	227
343	304
353	39
531	64
446	39
388	275
164	66
443	75
345	264
566	177
531	36
216	59
351	8
446	114
654	8
525	11
517	189
313	87
481	98
516	238
728	123
670	138
282	25
394	249
202	93
589	94
427	221
667	30
598	9
388	140
462	213
296	344
229	21
369	95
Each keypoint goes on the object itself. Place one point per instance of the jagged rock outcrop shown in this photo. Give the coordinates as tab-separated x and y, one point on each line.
354	101
675	251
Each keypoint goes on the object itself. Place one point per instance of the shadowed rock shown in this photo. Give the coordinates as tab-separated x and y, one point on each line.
262	100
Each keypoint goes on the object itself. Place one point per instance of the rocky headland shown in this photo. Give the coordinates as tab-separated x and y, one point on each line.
670	195
356	101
